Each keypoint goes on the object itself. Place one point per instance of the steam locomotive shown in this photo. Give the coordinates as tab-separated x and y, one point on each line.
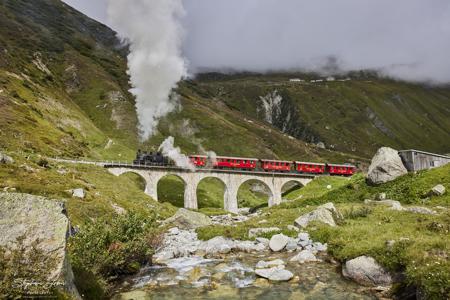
248	164
151	159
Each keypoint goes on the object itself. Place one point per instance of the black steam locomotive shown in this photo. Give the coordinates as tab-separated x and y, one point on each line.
150	159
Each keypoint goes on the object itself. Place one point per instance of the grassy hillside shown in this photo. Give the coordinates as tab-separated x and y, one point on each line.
420	242
63	86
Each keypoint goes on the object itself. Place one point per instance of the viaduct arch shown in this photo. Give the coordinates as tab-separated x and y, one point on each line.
232	181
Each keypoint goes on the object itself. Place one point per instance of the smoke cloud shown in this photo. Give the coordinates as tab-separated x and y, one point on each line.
155	64
167	148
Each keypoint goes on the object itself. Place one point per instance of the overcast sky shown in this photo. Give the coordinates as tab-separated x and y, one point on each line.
409	39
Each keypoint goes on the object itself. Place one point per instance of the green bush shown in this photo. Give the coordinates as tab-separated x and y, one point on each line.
109	248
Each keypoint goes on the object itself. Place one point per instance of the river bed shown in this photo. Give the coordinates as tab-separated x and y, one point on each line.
233	277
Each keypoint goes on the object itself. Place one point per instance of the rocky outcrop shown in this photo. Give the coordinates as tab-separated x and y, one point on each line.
40	223
438	190
326	213
186	219
395	205
366	271
386	166
5	159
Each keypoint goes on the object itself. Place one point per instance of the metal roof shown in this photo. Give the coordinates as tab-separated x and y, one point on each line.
342	165
310	163
227	157
282	161
423	152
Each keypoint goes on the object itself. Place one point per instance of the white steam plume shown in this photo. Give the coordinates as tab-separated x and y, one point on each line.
155	64
168	149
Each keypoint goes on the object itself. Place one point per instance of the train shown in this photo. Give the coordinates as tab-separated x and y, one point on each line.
267	165
249	164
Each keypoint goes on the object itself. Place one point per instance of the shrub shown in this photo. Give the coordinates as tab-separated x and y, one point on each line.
108	248
354	213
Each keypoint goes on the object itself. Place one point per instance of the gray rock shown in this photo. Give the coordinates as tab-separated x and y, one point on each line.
292	227
366	271
278	242
291	245
386	166
263	241
394	205
320	247
186	219
303	236
275	273
174	231
5	159
41	222
420	210
304	243
305	256
325	213
438	190
269	264
78	193
217	245
258	231
248	246
381	196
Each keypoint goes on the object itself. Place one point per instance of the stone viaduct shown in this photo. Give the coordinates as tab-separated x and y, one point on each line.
231	179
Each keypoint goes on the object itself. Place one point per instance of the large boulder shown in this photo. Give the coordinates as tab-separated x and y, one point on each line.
5	159
386	166
326	213
366	271
186	219
278	242
34	222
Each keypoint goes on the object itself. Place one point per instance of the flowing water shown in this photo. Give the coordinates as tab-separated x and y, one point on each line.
233	277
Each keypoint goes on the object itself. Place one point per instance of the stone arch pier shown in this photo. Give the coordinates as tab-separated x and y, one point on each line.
232	180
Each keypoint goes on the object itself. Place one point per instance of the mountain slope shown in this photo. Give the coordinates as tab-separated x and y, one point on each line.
358	114
64	91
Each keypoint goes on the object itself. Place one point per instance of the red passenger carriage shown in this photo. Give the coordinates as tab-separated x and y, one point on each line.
346	170
276	165
310	168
